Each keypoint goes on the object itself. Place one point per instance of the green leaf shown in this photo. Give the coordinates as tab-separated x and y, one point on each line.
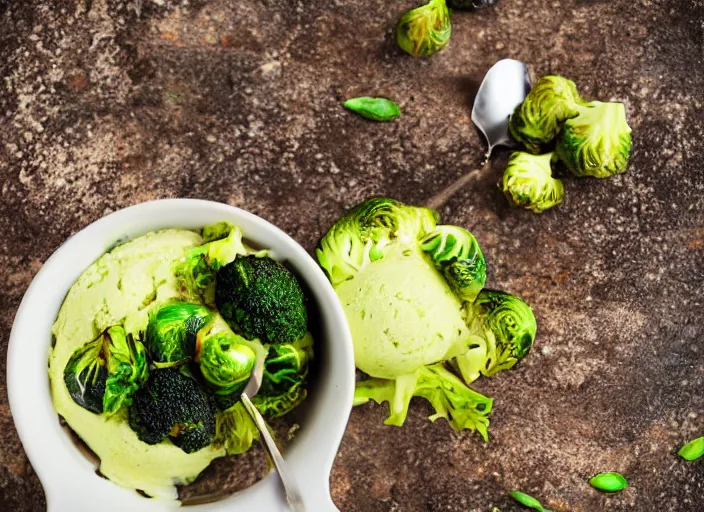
376	109
609	482
692	450
527	501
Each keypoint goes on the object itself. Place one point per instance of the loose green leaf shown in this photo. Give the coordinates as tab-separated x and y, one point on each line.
609	482
692	450
527	501
376	109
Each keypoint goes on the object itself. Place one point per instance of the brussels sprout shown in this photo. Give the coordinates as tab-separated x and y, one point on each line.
196	271
451	399
538	120
226	362
361	236
597	142
457	255
171	332
103	375
424	30
503	330
235	430
285	372
528	182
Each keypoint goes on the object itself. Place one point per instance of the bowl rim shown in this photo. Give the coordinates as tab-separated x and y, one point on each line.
63	471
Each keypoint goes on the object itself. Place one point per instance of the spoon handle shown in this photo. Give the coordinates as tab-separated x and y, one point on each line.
293	494
446	194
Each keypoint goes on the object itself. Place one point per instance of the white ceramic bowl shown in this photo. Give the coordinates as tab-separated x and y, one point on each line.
68	478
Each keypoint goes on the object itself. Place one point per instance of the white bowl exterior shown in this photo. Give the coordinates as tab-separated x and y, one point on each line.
68	478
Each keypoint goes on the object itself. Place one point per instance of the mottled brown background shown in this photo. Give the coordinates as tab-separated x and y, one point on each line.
104	104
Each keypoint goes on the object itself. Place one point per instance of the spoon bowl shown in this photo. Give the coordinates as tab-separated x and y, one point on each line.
504	87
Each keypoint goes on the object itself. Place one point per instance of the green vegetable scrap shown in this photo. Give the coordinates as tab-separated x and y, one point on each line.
376	109
103	375
527	501
528	182
608	482
412	293
451	399
692	450
597	142
424	30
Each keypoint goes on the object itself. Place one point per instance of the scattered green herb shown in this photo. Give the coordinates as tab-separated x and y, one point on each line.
376	109
608	482
527	501
692	450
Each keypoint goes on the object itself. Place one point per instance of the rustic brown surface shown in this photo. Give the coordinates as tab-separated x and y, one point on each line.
106	104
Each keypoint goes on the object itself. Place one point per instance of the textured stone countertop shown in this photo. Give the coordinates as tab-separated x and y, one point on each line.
105	104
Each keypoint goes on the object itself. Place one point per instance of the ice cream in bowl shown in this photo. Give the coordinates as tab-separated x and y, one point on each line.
132	346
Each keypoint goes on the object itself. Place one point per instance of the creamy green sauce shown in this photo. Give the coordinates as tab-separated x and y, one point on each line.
120	288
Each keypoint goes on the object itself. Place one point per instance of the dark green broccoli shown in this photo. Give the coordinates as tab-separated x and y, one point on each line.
172	404
261	299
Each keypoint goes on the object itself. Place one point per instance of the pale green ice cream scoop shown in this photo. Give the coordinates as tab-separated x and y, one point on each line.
402	314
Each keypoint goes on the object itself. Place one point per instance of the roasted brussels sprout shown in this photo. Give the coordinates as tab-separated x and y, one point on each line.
259	298
597	142
537	121
456	254
196	272
285	372
171	332
528	182
502	330
103	375
225	361
172	404
234	430
424	30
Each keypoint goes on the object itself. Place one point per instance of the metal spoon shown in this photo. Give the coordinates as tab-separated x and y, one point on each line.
504	87
293	493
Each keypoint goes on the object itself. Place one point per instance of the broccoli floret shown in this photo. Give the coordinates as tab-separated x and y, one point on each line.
260	298
172	404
